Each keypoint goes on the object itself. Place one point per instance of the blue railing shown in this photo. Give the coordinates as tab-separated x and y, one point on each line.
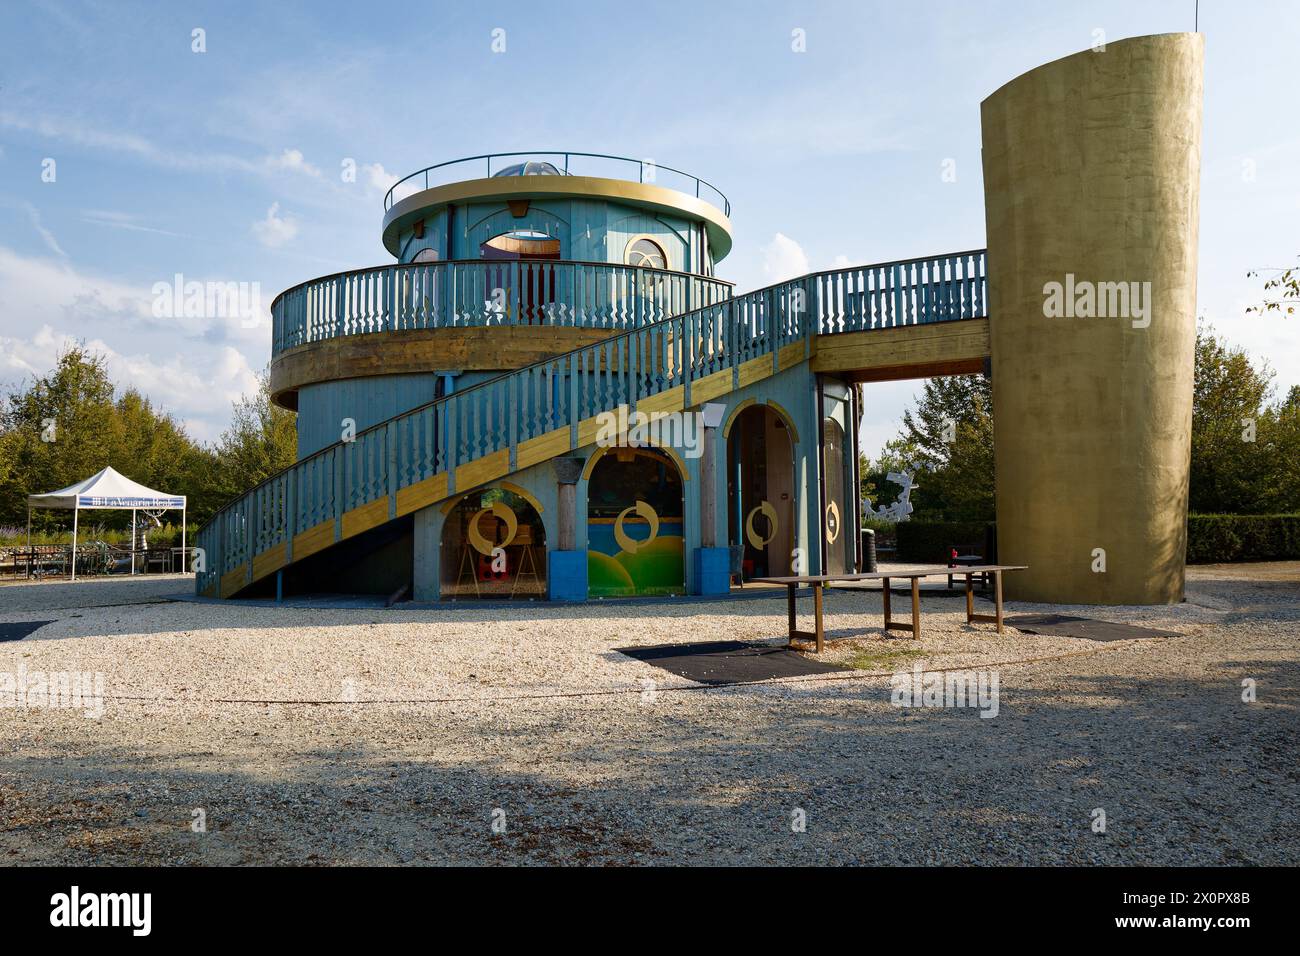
597	295
499	416
568	163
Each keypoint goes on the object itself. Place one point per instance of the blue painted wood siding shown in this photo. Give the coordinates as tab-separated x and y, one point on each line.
588	231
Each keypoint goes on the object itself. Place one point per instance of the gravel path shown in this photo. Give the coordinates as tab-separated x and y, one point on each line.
337	736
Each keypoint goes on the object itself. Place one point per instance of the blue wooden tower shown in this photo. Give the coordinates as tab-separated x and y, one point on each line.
550	394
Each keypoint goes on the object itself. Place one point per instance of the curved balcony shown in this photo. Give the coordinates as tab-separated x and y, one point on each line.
564	164
477	293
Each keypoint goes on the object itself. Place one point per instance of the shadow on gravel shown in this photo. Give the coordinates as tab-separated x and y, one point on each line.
1186	772
17	630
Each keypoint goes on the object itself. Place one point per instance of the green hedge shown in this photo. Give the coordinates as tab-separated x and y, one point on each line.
928	542
1213	539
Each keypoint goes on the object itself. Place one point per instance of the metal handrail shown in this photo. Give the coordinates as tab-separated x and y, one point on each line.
718	198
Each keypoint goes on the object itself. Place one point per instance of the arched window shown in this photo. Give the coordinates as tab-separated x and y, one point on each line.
634	524
426	255
760	492
645	252
520	244
493	547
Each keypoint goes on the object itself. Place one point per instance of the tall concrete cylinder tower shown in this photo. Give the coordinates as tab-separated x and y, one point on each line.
1091	180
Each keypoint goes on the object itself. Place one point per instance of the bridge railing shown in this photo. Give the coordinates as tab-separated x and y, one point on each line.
498	415
479	292
910	292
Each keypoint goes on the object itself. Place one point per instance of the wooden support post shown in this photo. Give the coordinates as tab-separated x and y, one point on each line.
793	628
817	612
997	598
970	597
916	608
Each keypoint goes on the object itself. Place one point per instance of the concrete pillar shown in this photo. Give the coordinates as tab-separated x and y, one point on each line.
709	490
712	564
1091	177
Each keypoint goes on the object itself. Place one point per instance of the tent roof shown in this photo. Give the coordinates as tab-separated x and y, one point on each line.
107	489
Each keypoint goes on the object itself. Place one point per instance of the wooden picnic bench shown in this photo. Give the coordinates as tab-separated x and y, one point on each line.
817	582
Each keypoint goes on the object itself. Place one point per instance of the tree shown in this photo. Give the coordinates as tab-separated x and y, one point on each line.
1285	286
949	440
1245	455
1229	462
66	425
53	432
262	439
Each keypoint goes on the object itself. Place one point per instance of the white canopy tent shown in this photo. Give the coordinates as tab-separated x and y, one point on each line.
106	489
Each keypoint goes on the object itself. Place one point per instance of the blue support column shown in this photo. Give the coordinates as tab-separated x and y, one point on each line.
566	574
712	571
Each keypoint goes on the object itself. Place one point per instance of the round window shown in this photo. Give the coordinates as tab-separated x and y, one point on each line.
646	253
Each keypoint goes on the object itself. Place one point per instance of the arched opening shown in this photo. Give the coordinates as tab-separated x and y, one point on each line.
760	492
529	285
634	525
520	244
837	510
494	548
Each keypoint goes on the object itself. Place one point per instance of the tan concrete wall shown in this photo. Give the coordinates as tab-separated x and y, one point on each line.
1092	167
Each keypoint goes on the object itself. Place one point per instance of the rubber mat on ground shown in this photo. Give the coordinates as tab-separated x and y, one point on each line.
728	662
1062	625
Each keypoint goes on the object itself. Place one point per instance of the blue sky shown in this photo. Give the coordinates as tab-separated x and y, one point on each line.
225	165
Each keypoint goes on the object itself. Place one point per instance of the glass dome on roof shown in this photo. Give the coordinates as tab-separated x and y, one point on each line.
530	168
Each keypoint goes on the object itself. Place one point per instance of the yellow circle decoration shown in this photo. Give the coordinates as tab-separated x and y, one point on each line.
502	511
832	522
767	511
628	544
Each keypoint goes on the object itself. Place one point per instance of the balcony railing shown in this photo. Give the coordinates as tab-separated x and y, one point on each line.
477	292
569	164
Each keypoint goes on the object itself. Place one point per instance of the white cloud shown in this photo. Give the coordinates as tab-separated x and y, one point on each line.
47	290
291	160
783	259
275	230
378	178
194	367
46	236
124	220
198	390
80	134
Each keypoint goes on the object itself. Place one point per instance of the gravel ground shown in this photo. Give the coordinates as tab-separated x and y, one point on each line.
342	736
